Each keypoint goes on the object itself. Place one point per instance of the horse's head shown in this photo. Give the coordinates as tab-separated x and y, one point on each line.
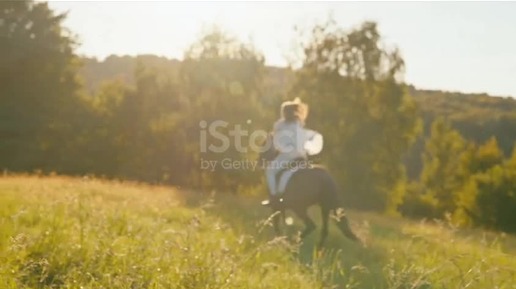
267	150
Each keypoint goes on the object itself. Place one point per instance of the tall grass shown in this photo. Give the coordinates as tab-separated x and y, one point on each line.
58	232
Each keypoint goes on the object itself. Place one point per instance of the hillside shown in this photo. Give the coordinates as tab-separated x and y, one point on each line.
58	232
95	73
476	116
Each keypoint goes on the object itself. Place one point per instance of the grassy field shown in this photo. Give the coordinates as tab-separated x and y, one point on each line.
58	232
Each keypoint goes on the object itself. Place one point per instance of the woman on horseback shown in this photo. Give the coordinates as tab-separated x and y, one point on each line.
291	140
307	186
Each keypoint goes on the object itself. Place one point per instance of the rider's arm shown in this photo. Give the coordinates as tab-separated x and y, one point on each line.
314	142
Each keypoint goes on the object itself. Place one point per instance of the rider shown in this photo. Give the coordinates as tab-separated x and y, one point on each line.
291	140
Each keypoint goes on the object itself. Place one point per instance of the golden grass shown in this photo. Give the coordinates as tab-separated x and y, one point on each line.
61	232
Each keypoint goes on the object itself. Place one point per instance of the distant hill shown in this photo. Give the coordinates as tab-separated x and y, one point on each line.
476	116
122	68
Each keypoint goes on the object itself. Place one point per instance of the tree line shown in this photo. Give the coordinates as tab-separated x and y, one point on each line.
148	128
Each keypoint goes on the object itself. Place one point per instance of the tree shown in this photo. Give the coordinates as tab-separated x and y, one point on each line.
495	203
38	99
221	80
487	189
443	173
486	156
352	83
136	130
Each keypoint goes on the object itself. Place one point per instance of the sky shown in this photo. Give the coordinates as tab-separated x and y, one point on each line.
456	46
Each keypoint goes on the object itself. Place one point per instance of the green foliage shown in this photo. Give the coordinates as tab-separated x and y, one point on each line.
472	185
476	161
417	203
350	81
222	80
477	117
443	172
496	199
38	100
486	156
490	199
151	130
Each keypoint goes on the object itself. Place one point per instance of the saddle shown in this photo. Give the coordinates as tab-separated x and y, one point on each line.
282	179
285	174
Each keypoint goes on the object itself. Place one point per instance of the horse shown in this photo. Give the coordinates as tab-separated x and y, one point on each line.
309	185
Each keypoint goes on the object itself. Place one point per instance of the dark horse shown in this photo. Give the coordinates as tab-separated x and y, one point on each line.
309	185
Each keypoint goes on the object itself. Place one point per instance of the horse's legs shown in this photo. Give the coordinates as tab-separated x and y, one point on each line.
278	215
309	224
325	215
344	227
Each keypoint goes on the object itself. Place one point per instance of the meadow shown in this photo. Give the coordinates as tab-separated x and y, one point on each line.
61	232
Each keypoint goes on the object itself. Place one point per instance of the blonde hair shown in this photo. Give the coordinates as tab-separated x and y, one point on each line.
294	110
